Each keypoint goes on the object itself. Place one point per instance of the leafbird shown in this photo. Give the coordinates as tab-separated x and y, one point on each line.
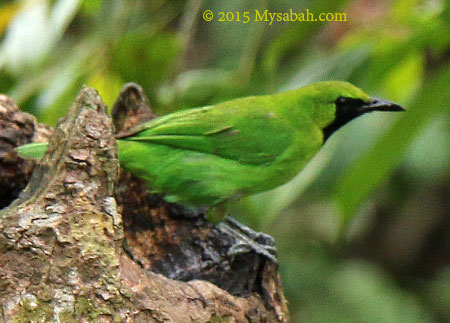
205	156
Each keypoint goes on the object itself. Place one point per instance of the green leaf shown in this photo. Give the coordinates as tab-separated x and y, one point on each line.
372	168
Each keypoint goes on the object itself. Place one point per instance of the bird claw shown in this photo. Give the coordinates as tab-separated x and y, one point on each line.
248	240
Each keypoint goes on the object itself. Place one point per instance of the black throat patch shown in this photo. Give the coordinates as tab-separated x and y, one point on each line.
347	109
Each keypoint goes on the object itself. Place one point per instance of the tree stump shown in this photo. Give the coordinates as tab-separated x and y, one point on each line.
86	242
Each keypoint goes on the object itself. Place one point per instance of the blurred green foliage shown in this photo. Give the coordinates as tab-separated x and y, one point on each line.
346	228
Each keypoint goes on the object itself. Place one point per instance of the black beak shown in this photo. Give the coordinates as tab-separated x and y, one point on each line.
380	105
348	109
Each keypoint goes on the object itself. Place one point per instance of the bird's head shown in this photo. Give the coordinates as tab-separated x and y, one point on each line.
344	102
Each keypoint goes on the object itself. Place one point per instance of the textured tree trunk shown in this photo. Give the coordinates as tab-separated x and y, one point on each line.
85	242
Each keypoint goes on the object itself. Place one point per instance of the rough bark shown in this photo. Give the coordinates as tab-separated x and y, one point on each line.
83	243
16	128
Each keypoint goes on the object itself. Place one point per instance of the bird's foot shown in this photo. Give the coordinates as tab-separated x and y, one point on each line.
248	240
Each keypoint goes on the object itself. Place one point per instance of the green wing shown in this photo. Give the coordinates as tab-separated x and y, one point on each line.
241	130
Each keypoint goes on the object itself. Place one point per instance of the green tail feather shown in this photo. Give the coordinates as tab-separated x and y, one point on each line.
34	150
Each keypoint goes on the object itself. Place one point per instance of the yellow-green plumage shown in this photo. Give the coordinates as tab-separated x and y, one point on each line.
207	155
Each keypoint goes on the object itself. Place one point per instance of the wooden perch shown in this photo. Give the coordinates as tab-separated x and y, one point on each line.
16	128
83	243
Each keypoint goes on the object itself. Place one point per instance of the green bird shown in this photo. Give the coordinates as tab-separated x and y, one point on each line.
205	156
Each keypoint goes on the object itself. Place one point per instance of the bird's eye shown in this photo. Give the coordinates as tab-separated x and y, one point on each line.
341	100
342	105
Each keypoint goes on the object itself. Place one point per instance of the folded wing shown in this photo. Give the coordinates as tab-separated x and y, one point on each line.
252	135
